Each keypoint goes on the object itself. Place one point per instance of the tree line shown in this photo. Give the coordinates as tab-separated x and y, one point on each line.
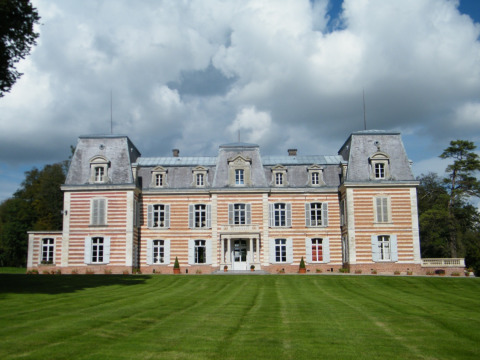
449	223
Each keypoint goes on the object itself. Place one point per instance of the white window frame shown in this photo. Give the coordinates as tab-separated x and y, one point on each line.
382	209
154	246
280	214
98	212
279	176
322	209
194	246
239	177
159	177
380	166
380	242
99	164
48	249
240	211
154	210
199	177
89	250
325	243
315	176
284	245
199	216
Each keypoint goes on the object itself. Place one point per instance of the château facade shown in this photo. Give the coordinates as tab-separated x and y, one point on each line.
236	211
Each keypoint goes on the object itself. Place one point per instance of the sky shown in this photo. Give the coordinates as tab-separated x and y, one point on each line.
282	74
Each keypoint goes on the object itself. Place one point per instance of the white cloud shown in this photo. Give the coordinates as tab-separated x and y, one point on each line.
188	74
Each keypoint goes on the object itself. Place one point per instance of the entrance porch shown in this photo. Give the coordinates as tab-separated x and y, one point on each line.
240	251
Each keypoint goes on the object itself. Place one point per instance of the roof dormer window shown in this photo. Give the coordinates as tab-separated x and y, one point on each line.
239	171
199	177
315	176
279	176
99	170
159	177
380	166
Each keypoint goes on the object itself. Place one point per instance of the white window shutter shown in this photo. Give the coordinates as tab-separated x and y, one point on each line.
149	252
150	216
191	216
271	219
385	209
209	216
375	248
102	211
307	214
393	247
289	250
326	250
167	216
208	245
230	214
94	215
308	250
106	249
289	214
379	209
191	250
248	210
325	214
88	250
166	258
272	251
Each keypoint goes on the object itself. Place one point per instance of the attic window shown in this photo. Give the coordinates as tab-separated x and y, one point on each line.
159	177
99	170
315	176
379	166
279	176
199	177
239	171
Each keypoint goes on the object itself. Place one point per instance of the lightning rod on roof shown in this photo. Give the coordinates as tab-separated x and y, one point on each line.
364	112
111	112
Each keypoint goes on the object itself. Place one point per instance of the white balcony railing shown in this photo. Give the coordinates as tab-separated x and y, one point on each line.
240	228
454	262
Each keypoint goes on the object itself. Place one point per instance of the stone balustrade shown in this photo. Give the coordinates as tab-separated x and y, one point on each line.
452	262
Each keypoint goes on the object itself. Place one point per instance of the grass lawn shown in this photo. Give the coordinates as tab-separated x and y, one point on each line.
238	317
12	270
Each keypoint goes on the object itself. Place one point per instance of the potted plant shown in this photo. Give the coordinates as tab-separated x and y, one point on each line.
225	268
252	267
176	266
302	269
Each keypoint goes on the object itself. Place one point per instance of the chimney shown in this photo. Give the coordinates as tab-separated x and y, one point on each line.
176	152
292	152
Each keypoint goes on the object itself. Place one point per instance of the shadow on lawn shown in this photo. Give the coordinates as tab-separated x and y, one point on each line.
53	284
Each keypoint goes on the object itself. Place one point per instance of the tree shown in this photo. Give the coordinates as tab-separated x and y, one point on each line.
461	182
37	205
17	36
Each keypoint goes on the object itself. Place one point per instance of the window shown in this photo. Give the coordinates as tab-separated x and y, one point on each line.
384	248
159	177
345	252
200	181
281	251
199	252
98	170
315	175
281	215
279	175
158	180
97	250
99	174
316	214
278	179
239	214
158	252
382	209
158	216
98	212
318	250
239	177
48	246
199	216
379	163
199	177
342	213
379	171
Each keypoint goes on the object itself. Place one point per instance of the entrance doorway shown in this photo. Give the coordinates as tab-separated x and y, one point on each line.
239	254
